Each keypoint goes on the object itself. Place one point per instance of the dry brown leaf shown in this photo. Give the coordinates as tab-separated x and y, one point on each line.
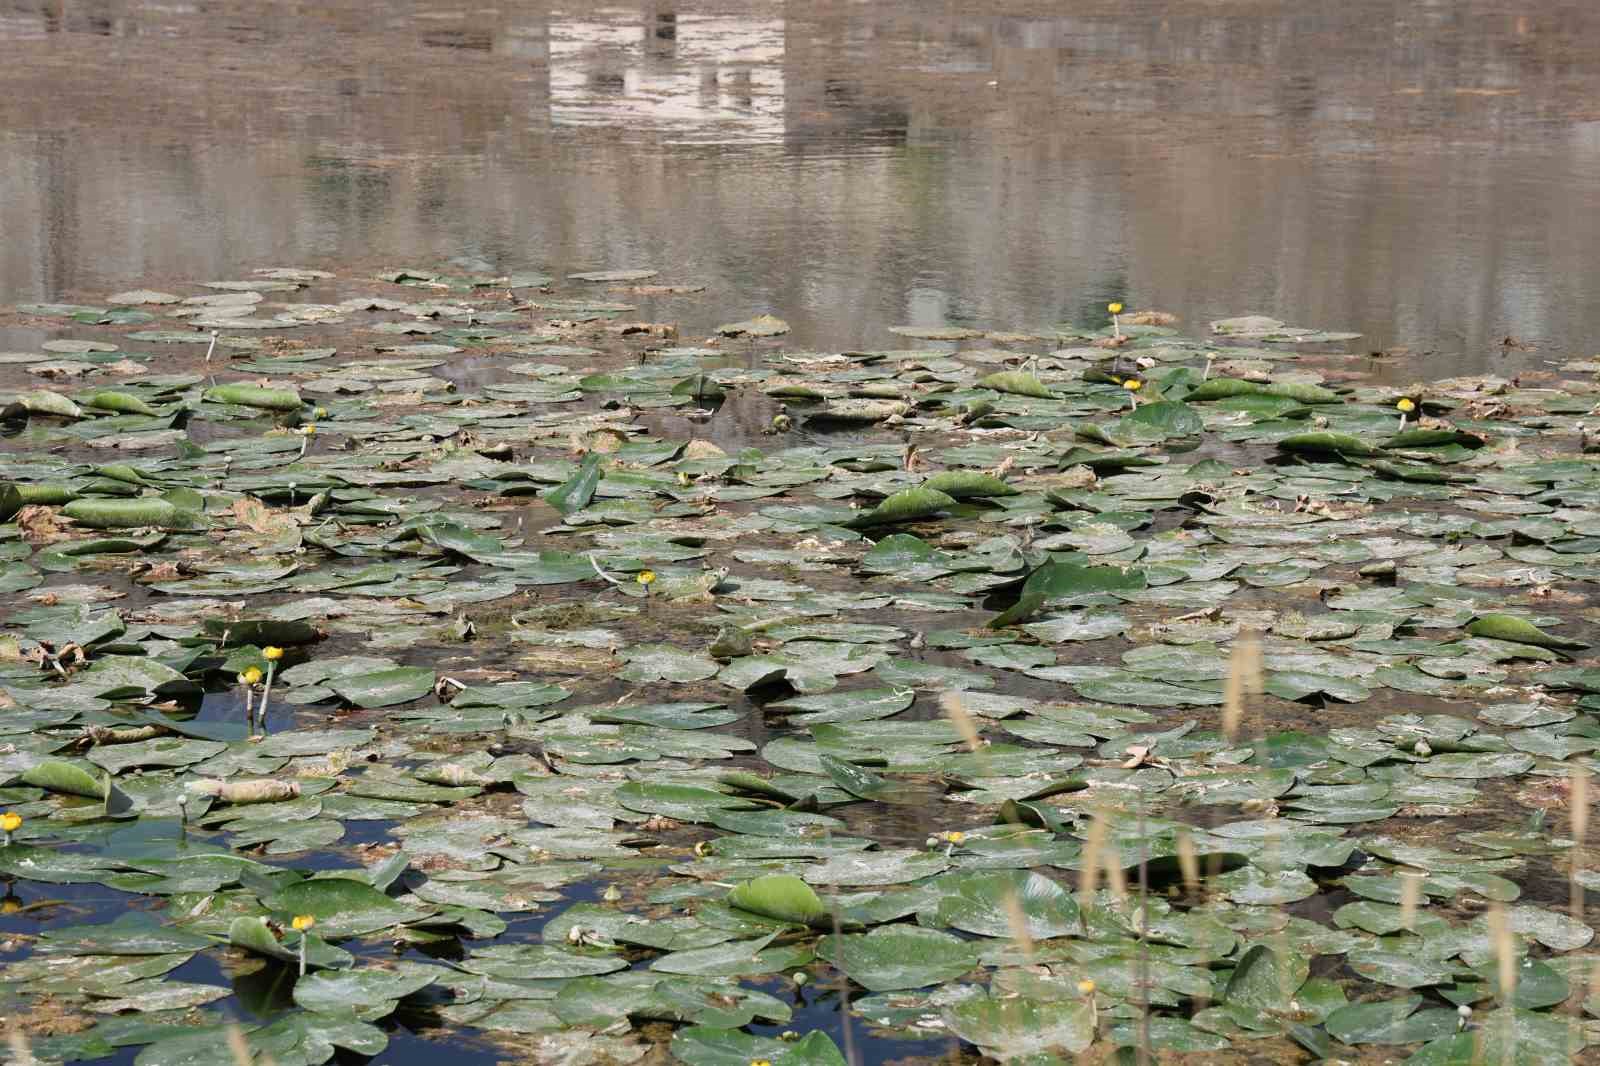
657	290
161	572
659	823
258	517
39	525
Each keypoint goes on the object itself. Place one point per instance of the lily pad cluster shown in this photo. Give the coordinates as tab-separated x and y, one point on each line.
1048	690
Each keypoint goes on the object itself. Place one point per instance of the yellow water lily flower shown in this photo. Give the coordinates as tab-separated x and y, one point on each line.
302	923
250	676
955	836
309	429
1405	406
1133	384
272	654
1085	987
1115	308
646	578
10	821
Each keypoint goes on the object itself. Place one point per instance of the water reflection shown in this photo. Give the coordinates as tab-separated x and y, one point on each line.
1422	173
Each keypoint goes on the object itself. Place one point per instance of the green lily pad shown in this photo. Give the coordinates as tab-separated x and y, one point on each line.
898	956
1022	1029
982	903
384	688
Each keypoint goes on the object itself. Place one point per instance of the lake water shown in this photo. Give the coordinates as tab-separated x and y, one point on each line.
1425	173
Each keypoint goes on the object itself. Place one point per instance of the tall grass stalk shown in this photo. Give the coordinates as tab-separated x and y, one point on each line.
1244	680
1504	946
21	1049
1410	897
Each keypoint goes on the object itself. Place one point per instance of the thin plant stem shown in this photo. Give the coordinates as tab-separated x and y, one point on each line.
266	694
851	1056
603	575
1144	940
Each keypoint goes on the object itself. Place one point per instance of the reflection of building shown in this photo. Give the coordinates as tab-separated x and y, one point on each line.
680	76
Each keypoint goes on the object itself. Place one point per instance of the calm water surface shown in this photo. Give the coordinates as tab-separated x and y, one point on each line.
1424	172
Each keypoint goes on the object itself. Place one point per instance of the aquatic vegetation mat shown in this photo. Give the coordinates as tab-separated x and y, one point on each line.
457	655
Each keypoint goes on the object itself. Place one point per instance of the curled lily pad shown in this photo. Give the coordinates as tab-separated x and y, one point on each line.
255	396
66	777
780	896
255	935
908	505
968	484
145	511
1017	383
1518	631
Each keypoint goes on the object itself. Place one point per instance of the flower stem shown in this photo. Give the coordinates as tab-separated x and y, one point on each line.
266	694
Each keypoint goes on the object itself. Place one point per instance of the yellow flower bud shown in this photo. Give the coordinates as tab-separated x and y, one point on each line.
309	429
10	821
955	836
250	676
646	577
272	654
302	922
1085	987
1405	406
1133	384
1115	308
